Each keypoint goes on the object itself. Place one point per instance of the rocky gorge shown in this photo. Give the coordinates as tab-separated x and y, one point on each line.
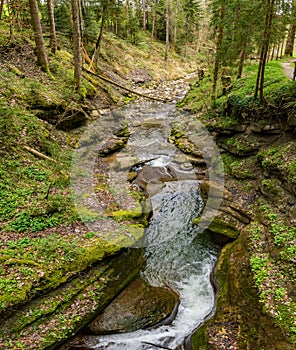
255	298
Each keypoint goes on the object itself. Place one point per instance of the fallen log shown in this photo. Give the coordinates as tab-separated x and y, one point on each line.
123	87
38	154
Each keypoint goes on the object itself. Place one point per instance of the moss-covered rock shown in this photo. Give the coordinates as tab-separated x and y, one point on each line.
52	318
280	161
241	145
225	227
238	321
138	306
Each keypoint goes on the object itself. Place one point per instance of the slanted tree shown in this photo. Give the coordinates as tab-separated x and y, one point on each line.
40	47
76	44
103	19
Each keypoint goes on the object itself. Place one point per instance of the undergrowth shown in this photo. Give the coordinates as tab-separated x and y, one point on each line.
238	102
272	262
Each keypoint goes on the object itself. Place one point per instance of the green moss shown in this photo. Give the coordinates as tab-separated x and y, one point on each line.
280	159
241	145
199	340
57	316
128	214
224	227
57	259
244	168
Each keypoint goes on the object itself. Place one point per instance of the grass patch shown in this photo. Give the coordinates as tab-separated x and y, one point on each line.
239	101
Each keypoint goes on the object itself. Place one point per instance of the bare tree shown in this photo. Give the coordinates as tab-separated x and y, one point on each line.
40	47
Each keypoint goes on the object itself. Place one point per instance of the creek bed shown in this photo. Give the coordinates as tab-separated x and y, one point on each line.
180	254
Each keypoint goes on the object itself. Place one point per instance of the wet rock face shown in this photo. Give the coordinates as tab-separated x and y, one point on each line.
138	306
231	217
261	178
151	179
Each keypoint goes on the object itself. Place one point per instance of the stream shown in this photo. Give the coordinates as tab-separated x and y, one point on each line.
177	257
180	255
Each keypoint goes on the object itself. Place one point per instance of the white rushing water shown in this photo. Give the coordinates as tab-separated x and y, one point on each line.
178	255
176	258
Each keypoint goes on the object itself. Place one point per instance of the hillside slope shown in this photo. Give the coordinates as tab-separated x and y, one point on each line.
46	251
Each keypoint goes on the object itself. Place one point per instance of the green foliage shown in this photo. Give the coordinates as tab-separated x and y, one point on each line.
272	261
256	232
239	104
198	97
33	192
280	159
258	265
240	101
244	168
45	262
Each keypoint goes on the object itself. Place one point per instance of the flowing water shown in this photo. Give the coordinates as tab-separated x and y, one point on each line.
179	254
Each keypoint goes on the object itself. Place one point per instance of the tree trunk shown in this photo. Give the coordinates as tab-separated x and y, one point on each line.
81	18
40	47
282	48
53	38
290	40
153	20
103	18
272	52
1	8
144	15
174	45
278	48
242	58
167	31
266	45
218	51
76	44
292	31
264	50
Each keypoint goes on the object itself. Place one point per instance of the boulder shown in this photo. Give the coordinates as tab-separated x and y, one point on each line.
139	76
138	306
111	145
160	174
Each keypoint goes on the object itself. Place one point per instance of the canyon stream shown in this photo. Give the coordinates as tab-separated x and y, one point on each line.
180	254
